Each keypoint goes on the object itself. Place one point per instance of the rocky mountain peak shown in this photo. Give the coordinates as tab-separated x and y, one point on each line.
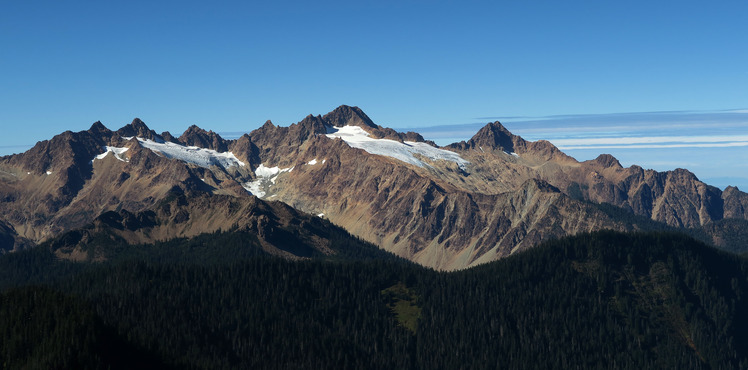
139	129
345	115
607	160
138	125
98	130
194	130
98	127
167	136
195	136
493	135
310	126
731	190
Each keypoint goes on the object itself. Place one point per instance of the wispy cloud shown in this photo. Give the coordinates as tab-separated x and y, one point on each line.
656	146
654	142
710	143
609	127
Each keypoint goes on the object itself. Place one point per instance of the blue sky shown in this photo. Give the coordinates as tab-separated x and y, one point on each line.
229	66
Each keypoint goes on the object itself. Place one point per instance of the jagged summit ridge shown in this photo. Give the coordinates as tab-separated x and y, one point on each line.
345	115
195	136
449	207
138	128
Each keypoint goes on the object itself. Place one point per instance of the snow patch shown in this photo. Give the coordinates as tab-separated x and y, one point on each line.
512	154
254	187
312	162
49	172
407	152
192	154
321	215
266	177
111	149
263	171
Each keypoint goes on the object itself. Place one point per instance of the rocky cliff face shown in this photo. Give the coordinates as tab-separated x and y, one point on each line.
452	207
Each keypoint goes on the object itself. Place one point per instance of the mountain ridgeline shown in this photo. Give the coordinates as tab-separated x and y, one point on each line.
453	207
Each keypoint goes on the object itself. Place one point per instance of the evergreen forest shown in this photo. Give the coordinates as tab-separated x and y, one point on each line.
599	300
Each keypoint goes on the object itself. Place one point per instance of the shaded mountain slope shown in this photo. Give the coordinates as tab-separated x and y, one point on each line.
269	227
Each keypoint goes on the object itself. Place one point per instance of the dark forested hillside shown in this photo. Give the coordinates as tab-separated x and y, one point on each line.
601	300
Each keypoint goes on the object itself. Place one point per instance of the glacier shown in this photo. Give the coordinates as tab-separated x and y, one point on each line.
407	151
192	154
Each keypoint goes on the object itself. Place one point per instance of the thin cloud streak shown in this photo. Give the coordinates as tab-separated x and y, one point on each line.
711	144
657	146
698	124
648	140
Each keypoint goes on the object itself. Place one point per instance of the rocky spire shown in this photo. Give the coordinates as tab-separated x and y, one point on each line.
345	115
139	129
196	136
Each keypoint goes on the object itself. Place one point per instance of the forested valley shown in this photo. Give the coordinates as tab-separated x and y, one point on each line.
598	300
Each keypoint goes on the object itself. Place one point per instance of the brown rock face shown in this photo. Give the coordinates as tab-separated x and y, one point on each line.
492	136
506	195
195	136
348	116
138	128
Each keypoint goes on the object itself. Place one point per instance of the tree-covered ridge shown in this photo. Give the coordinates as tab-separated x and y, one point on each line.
608	300
600	300
45	329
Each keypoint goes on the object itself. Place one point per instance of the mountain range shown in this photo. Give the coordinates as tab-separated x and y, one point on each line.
447	208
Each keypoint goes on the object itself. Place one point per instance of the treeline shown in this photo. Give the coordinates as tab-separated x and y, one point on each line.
600	300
